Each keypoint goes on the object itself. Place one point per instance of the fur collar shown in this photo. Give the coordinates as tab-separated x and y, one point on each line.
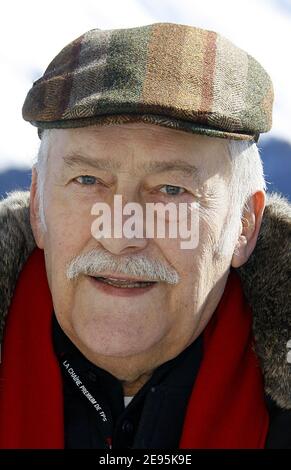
266	281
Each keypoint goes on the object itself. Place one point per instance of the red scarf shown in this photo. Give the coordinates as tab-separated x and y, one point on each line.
226	408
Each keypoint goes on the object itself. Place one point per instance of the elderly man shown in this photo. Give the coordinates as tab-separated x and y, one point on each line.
128	339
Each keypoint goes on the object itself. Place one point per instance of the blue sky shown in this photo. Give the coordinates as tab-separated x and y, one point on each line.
33	32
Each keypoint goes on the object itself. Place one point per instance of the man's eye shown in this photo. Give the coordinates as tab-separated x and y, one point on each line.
172	190
86	180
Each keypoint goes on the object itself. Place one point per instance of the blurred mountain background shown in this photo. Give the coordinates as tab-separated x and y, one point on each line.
275	153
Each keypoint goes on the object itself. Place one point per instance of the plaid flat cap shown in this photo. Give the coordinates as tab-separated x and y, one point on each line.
167	74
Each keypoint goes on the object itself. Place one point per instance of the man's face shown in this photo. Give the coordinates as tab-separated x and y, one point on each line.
142	163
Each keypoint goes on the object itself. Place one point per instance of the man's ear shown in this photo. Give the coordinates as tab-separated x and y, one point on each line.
249	229
35	221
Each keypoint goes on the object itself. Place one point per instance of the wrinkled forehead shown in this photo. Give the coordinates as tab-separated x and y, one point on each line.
139	146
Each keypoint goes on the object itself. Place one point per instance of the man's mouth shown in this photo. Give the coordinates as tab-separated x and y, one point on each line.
124	283
117	286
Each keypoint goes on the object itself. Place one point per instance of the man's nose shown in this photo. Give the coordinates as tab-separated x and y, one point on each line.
121	246
125	227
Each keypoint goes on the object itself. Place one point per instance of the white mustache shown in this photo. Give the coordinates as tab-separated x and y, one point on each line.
97	261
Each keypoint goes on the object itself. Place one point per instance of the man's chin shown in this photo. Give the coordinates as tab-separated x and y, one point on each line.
116	345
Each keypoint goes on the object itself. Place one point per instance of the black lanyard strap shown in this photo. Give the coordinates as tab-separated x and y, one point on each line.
76	377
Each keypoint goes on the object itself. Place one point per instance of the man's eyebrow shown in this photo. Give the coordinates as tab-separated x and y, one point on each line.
75	159
176	165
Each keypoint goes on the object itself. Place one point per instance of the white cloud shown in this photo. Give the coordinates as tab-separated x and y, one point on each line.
32	32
